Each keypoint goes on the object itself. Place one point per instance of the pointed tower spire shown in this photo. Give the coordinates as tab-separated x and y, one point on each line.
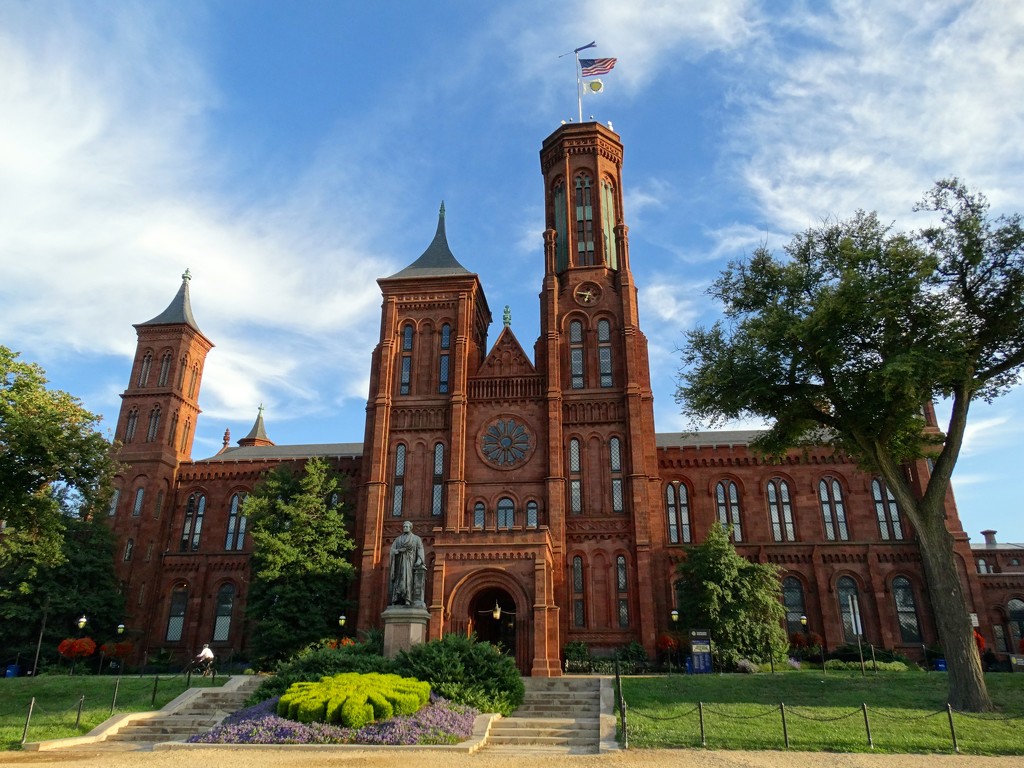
257	436
179	311
438	260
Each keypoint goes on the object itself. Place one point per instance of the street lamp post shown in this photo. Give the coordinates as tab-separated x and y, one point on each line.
120	659
675	625
82	621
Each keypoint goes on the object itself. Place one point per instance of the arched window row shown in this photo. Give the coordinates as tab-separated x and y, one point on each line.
727	501
578	354
506	515
677	512
780	510
583	582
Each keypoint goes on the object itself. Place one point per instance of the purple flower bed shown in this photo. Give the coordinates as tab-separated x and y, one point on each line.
439	722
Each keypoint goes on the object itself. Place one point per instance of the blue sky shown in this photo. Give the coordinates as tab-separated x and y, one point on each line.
291	153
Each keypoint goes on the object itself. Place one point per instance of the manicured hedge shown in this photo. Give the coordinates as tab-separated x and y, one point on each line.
353	700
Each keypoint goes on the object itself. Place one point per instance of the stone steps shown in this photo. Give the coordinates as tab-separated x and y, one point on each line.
558	715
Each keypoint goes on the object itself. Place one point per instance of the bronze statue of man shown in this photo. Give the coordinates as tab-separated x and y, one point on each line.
406	555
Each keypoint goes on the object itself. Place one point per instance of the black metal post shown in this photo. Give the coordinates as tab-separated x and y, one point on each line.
78	716
700	712
153	699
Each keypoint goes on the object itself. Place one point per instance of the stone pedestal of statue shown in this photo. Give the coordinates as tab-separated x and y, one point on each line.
404	627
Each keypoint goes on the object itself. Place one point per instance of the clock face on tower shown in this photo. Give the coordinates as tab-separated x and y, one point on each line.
587	294
506	442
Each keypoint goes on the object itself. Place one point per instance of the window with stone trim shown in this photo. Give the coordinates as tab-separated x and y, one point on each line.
780	510
615	465
147	363
604	352
575	477
398	492
235	539
887	512
584	222
225	608
165	370
176	614
131	423
677	513
532	514
191	531
621	586
727	499
561	234
129	547
849	608
833	509
579	613
140	494
154	424
405	379
506	513
906	610
437	485
608	219
114	501
576	356
444	373
479	514
793	600
173	430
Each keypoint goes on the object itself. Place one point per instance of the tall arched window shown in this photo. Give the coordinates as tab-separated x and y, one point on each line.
728	500
584	222
176	614
531	514
621	585
154	424
159	506
576	355
780	510
185	434
405	378
398	499
615	461
579	613
165	370
140	494
906	610
982	565
147	363
114	501
506	513
793	600
479	512
193	380
608	221
672	514
129	547
225	607
1015	617
886	511
833	511
575	478
437	490
130	425
195	510
443	361
235	539
604	352
849	608
182	368
173	430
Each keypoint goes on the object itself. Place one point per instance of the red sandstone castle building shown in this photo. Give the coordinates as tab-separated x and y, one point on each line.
539	485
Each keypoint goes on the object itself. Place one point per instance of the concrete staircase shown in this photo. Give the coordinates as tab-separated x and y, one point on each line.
201	709
558	714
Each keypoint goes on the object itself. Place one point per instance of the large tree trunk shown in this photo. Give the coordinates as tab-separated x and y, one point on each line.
967	691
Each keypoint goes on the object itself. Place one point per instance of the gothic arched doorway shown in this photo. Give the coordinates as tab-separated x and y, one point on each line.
494	617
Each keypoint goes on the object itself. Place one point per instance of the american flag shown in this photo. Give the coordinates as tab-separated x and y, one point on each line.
593	67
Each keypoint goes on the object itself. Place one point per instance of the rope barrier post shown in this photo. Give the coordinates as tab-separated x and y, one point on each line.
152	701
700	711
188	678
785	730
874	663
28	719
625	735
78	716
113	701
867	726
771	657
952	730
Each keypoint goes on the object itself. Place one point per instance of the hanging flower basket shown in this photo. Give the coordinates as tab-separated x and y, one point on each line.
77	647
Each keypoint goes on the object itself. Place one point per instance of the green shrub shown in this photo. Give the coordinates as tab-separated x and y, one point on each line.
353	700
465	671
313	665
854	666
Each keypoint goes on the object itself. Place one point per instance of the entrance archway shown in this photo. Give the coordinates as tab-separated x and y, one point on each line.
493	618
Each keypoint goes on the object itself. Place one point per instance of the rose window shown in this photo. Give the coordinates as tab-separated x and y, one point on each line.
506	442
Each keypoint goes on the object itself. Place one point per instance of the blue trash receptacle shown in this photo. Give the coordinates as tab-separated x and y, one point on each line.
13	670
689	665
940	665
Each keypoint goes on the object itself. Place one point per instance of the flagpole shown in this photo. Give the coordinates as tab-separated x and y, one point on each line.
579	86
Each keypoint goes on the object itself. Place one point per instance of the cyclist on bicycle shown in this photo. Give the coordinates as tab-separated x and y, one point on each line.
204	659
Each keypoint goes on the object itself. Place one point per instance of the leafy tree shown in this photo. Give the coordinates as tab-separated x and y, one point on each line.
850	337
300	568
738	601
84	583
54	465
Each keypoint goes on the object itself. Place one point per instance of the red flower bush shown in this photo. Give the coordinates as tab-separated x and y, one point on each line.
117	650
341	643
667	643
77	648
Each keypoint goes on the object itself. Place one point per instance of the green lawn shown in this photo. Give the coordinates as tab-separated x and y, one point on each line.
57	698
906	711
